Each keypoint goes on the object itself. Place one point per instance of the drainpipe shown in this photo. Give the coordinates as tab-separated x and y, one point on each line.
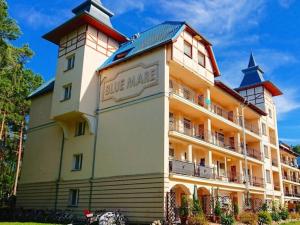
59	171
245	151
95	138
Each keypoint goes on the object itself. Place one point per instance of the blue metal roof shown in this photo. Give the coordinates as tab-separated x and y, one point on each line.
151	38
43	89
253	74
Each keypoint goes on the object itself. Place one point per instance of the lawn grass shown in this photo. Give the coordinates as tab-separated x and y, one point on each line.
19	223
291	223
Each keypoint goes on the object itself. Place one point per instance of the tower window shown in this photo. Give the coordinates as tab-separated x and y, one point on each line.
201	59
73	197
187	49
77	162
80	128
270	113
266	151
70	62
67	89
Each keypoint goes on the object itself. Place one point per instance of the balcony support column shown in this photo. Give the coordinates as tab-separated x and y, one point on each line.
209	159
237	139
207	98
240	167
207	128
190	153
240	200
225	164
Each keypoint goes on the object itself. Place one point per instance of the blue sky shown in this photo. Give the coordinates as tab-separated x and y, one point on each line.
269	28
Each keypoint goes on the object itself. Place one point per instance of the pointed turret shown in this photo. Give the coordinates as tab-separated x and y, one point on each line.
253	74
254	87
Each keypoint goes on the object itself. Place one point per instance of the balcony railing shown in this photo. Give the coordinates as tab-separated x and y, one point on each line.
256	154
291	194
191	169
198	99
274	162
276	187
209	137
291	178
289	163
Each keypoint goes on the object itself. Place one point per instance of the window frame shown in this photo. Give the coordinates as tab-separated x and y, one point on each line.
70	62
75	162
67	92
191	48
270	114
70	201
264	128
266	150
268	176
80	128
204	59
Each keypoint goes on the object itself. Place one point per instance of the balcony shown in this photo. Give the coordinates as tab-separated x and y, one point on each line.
199	100
210	138
291	178
275	162
276	186
191	169
272	140
289	163
291	194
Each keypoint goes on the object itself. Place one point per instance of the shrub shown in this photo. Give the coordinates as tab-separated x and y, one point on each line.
248	218
184	209
294	215
264	217
198	219
197	209
284	214
275	216
218	210
264	207
235	209
227	219
298	207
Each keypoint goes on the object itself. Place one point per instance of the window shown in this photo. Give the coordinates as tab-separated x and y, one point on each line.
266	151
73	197
171	152
67	89
187	124
70	62
77	162
268	176
185	156
264	129
122	55
187	49
270	113
80	129
201	59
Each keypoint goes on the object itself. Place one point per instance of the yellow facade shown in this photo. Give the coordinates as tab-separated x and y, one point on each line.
155	124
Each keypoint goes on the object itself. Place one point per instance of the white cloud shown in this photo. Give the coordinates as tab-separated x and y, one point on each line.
217	17
37	18
287	102
292	141
123	6
286	3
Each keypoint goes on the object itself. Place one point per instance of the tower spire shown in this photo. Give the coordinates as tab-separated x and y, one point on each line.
252	62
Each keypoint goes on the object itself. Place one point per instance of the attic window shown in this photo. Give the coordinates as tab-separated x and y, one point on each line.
121	55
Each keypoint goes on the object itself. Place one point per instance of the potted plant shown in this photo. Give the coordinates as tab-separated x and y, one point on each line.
184	209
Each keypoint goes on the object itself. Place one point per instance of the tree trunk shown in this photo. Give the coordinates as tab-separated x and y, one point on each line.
2	126
19	158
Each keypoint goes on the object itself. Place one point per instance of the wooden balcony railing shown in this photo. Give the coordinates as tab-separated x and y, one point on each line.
291	178
274	162
191	169
256	154
276	187
289	163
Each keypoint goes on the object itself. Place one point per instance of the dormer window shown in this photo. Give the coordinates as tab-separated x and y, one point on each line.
122	55
188	49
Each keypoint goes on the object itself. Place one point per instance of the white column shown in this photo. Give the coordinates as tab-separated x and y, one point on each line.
207	130
207	98
190	153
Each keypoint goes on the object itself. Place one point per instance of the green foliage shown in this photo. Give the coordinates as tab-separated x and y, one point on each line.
198	219
298	207
275	216
16	83
248	218
264	207
184	209
227	219
218	210
264	217
296	148
236	209
197	208
284	214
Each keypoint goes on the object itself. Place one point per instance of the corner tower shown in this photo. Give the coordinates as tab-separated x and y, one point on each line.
85	41
255	88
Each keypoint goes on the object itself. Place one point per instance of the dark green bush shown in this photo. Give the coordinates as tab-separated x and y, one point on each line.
184	209
218	210
264	218
275	216
284	214
227	219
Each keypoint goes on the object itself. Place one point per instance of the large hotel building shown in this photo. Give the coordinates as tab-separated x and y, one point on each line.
136	123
